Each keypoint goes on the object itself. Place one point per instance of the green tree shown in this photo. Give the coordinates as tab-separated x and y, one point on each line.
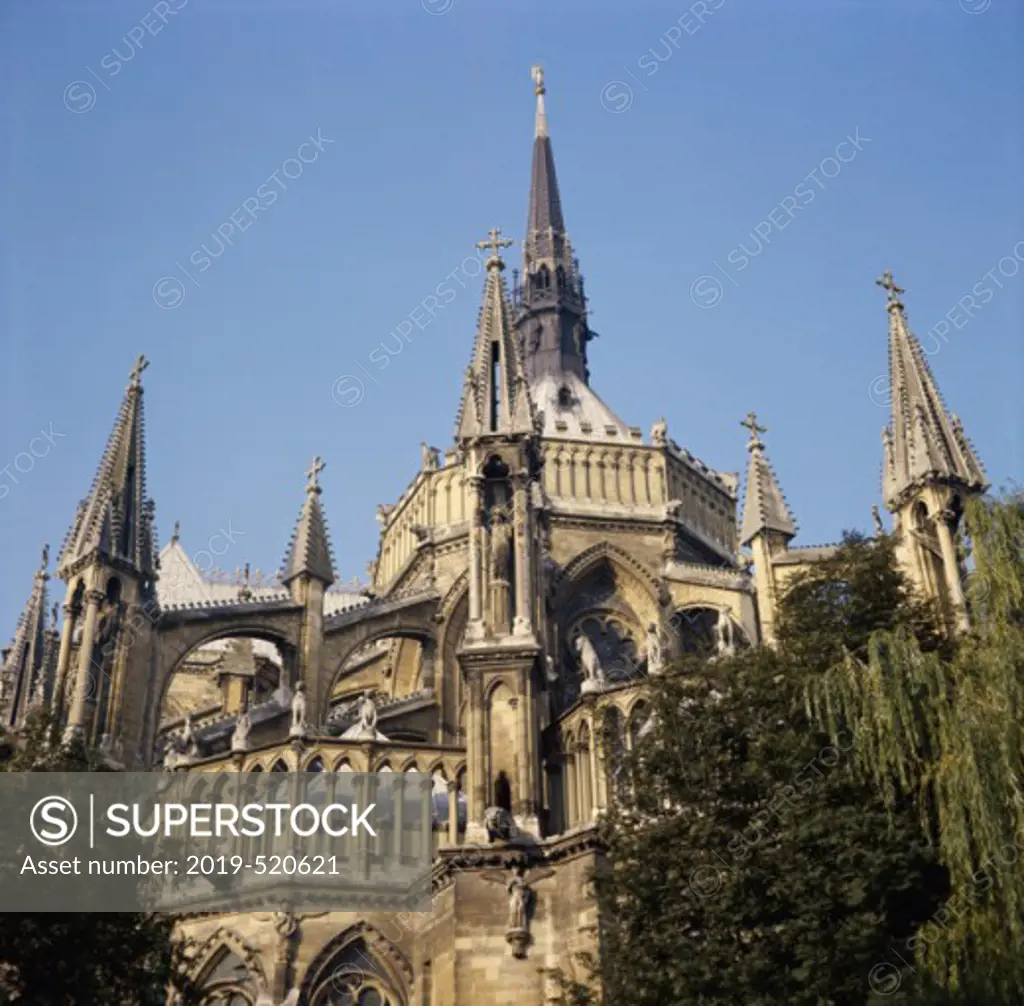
746	864
84	959
946	730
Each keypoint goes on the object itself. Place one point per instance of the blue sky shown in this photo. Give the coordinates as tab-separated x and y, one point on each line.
679	130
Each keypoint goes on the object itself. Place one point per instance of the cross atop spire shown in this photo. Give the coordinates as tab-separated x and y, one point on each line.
316	467
495	242
750	423
136	375
887	283
765	510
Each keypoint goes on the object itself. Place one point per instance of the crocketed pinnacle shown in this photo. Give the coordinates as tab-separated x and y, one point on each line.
24	668
765	509
923	441
309	551
115	521
496	394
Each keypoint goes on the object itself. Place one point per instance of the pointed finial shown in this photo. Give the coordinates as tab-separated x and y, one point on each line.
316	467
135	377
244	591
46	558
537	73
750	423
876	517
495	242
53	614
176	533
887	283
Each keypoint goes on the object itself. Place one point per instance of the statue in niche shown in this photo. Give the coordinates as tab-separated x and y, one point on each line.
655	654
590	662
299	725
501	545
240	737
106	635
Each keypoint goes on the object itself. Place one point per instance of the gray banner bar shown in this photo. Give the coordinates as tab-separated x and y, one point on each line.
213	842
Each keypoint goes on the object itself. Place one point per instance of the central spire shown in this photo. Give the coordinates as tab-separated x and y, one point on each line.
552	321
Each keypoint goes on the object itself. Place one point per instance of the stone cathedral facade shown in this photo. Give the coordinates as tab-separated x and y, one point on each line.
530	581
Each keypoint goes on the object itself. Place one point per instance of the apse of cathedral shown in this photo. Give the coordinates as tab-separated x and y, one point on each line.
533	578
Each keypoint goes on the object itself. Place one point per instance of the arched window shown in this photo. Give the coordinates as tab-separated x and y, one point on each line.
614	744
560	278
353	977
227	981
542	278
279	766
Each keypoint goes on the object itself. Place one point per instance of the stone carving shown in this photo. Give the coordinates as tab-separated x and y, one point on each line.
552	674
365	727
590	662
659	433
500	825
501	546
189	738
240	737
299	725
430	457
520	902
655	654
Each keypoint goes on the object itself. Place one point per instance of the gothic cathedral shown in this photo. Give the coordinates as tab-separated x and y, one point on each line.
528	582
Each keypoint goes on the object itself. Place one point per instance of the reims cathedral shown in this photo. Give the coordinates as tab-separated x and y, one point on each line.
531	578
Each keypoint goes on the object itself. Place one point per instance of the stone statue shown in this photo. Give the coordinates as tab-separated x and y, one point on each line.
655	655
368	713
501	546
590	662
299	725
189	739
552	674
240	737
520	901
365	727
430	457
725	642
106	633
500	825
659	433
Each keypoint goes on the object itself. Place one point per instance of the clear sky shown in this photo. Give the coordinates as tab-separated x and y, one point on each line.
686	136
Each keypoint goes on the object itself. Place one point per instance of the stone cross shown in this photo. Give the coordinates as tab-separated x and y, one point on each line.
140	365
495	242
750	423
317	466
887	283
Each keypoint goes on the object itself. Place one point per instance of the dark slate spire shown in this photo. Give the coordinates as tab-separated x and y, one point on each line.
309	551
496	394
24	671
922	442
552	321
115	521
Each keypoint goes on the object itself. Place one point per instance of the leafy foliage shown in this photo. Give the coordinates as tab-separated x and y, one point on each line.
747	864
87	959
947	733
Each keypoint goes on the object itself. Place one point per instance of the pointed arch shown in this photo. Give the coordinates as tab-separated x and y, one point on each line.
619	558
360	949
